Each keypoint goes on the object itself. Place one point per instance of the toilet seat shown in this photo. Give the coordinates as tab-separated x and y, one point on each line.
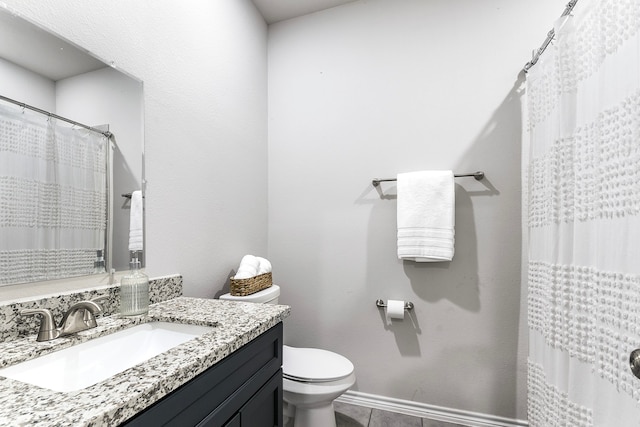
313	365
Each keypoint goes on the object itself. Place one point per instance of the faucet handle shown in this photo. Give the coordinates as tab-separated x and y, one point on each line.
89	317
48	330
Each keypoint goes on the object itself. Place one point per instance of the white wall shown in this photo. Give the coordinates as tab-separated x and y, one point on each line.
26	86
371	89
204	71
107	96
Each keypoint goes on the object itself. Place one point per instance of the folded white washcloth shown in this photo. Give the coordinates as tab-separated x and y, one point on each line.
248	267
426	211
265	266
243	275
135	222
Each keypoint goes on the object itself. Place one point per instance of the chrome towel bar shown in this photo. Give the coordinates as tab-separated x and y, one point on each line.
477	175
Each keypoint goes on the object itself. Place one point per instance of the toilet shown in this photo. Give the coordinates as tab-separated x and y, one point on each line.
312	378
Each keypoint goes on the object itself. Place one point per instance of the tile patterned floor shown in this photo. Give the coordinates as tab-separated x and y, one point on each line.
359	416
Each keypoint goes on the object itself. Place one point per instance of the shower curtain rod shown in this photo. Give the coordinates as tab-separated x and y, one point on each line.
550	35
55	116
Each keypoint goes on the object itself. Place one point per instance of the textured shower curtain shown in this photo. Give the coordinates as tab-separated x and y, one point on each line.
583	219
52	197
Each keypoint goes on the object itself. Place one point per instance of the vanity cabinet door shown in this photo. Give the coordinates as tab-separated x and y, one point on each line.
265	407
234	422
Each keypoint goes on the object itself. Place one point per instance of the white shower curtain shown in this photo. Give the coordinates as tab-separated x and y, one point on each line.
52	197
583	217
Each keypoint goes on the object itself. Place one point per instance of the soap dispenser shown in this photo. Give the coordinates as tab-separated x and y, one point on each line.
134	289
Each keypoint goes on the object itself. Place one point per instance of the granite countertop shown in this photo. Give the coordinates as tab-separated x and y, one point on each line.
120	397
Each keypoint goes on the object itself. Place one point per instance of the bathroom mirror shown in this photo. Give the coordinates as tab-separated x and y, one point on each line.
41	69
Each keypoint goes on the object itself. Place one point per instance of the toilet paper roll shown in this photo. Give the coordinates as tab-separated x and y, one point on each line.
395	309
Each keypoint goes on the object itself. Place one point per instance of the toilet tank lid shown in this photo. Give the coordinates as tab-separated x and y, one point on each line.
314	364
264	295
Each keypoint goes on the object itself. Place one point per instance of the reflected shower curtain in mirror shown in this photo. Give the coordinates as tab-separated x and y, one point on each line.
52	197
582	194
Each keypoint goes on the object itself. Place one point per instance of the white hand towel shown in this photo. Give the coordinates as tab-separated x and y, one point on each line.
135	222
426	211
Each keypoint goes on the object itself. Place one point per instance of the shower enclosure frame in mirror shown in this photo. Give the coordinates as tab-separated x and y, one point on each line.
34	69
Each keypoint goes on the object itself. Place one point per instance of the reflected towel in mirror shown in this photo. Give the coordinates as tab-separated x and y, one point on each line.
135	222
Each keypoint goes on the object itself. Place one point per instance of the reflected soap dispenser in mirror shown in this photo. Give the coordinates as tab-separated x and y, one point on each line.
134	289
98	264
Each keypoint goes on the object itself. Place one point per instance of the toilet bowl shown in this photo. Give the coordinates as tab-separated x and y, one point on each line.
312	378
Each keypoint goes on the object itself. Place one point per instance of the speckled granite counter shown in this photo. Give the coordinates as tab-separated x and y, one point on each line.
115	400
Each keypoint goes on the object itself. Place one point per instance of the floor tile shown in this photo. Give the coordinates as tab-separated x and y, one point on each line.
348	415
351	415
390	419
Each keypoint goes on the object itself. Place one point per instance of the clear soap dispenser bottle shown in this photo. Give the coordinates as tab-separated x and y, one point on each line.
134	290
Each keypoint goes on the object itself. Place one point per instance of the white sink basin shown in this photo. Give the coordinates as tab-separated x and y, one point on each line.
85	364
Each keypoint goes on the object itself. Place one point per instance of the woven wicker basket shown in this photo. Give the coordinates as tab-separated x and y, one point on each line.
243	287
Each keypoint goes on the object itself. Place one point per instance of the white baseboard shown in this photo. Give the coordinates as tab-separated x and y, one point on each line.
432	412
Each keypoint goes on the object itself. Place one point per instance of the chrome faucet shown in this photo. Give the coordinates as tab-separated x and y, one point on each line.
79	317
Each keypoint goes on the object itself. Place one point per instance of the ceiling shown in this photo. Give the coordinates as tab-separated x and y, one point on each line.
56	59
279	10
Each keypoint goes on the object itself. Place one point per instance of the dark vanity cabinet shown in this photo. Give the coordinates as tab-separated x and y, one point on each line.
244	389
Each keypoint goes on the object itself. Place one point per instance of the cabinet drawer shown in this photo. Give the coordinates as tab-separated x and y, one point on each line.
262	409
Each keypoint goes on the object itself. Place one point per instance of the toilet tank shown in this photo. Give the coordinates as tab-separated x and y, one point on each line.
265	296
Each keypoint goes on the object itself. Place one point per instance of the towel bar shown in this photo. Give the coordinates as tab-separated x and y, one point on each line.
477	175
127	195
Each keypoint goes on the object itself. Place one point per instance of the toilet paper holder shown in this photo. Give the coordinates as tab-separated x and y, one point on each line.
407	305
